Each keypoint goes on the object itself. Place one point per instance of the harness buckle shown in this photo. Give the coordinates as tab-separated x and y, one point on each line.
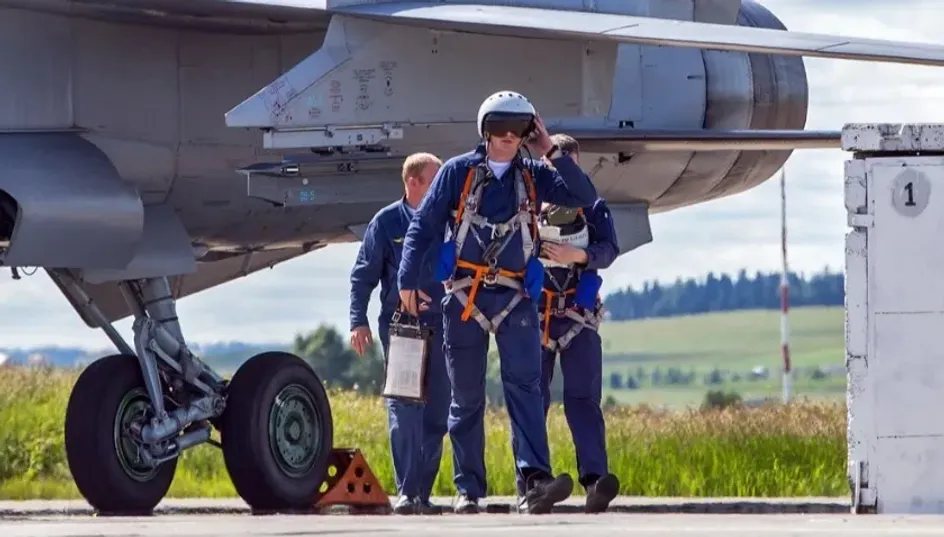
490	277
490	255
561	309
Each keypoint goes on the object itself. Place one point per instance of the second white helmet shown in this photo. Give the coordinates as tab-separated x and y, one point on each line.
503	102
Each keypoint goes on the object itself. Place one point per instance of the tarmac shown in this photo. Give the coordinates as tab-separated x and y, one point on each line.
640	517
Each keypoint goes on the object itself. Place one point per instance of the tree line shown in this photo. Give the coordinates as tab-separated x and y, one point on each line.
327	350
724	293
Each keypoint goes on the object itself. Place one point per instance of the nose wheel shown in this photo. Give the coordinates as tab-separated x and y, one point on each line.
277	432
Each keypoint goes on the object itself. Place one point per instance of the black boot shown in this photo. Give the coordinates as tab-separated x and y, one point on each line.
426	507
544	491
466	506
601	492
405	506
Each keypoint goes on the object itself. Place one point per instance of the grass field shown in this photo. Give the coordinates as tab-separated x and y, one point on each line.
736	341
798	450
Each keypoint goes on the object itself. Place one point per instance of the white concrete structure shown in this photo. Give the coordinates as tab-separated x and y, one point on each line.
894	316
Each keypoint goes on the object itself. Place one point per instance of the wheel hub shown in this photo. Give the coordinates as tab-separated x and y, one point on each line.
294	430
134	407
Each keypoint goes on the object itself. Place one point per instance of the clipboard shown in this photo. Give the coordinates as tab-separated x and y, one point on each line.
406	368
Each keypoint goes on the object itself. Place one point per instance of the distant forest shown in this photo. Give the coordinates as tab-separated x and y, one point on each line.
724	293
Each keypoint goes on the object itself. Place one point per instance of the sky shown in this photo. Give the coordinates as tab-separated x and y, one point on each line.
276	304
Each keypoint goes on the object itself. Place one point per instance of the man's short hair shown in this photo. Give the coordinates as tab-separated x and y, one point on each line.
414	164
566	143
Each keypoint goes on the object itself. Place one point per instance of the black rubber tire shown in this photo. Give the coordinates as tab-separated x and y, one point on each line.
249	459
90	443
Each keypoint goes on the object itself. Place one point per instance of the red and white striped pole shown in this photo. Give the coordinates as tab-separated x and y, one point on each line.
784	291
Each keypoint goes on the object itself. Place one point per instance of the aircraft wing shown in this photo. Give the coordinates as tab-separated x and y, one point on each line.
541	23
615	140
557	24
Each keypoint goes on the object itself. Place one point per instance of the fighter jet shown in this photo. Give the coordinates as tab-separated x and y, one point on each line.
152	149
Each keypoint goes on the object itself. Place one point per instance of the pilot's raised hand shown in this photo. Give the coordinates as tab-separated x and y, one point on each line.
541	141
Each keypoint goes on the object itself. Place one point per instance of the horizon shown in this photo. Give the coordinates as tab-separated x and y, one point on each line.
720	236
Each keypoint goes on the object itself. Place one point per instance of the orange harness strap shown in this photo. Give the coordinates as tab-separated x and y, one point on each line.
532	199
548	306
480	271
469	178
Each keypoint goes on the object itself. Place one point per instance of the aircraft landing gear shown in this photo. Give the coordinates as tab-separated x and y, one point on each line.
107	463
277	432
130	415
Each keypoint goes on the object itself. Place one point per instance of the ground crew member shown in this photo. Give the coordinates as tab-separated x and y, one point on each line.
576	243
416	430
489	199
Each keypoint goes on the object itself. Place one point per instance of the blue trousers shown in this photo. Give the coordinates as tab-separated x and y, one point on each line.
582	370
519	348
416	429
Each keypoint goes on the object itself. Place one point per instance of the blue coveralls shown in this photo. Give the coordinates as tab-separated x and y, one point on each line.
582	359
416	430
518	336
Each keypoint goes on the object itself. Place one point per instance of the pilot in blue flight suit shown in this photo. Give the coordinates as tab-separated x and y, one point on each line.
489	198
576	243
416	430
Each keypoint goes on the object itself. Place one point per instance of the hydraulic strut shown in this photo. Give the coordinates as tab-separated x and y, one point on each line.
159	340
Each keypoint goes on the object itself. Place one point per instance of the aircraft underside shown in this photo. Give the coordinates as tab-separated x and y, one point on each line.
151	99
152	149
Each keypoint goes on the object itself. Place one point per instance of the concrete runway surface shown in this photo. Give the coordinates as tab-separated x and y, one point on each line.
642	517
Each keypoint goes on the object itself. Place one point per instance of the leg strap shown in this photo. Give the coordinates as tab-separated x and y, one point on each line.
503	278
589	320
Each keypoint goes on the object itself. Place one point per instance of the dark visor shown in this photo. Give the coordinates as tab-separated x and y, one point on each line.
499	125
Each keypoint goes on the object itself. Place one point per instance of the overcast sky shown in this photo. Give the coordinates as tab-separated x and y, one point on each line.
276	304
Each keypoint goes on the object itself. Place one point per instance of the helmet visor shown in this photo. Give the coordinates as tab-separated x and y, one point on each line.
556	215
502	124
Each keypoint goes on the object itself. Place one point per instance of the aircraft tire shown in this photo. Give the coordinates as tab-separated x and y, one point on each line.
103	464
277	432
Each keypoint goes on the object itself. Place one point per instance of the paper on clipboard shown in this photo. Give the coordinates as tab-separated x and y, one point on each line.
406	359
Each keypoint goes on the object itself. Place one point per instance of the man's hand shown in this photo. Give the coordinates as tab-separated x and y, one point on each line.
563	253
361	339
541	143
408	298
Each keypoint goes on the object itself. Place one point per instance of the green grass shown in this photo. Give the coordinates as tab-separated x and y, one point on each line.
736	341
795	450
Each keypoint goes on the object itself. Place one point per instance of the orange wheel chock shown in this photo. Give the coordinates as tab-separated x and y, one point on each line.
349	481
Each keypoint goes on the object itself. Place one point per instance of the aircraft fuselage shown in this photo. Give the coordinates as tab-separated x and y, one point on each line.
151	97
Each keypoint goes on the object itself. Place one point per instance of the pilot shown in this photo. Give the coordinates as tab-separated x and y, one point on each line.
481	213
416	430
575	244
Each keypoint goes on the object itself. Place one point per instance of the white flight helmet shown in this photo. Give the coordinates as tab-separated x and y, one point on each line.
565	225
503	102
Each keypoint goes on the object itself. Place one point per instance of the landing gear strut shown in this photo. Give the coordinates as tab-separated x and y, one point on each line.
132	414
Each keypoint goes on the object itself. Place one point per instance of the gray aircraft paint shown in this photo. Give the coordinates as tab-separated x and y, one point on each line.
148	84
